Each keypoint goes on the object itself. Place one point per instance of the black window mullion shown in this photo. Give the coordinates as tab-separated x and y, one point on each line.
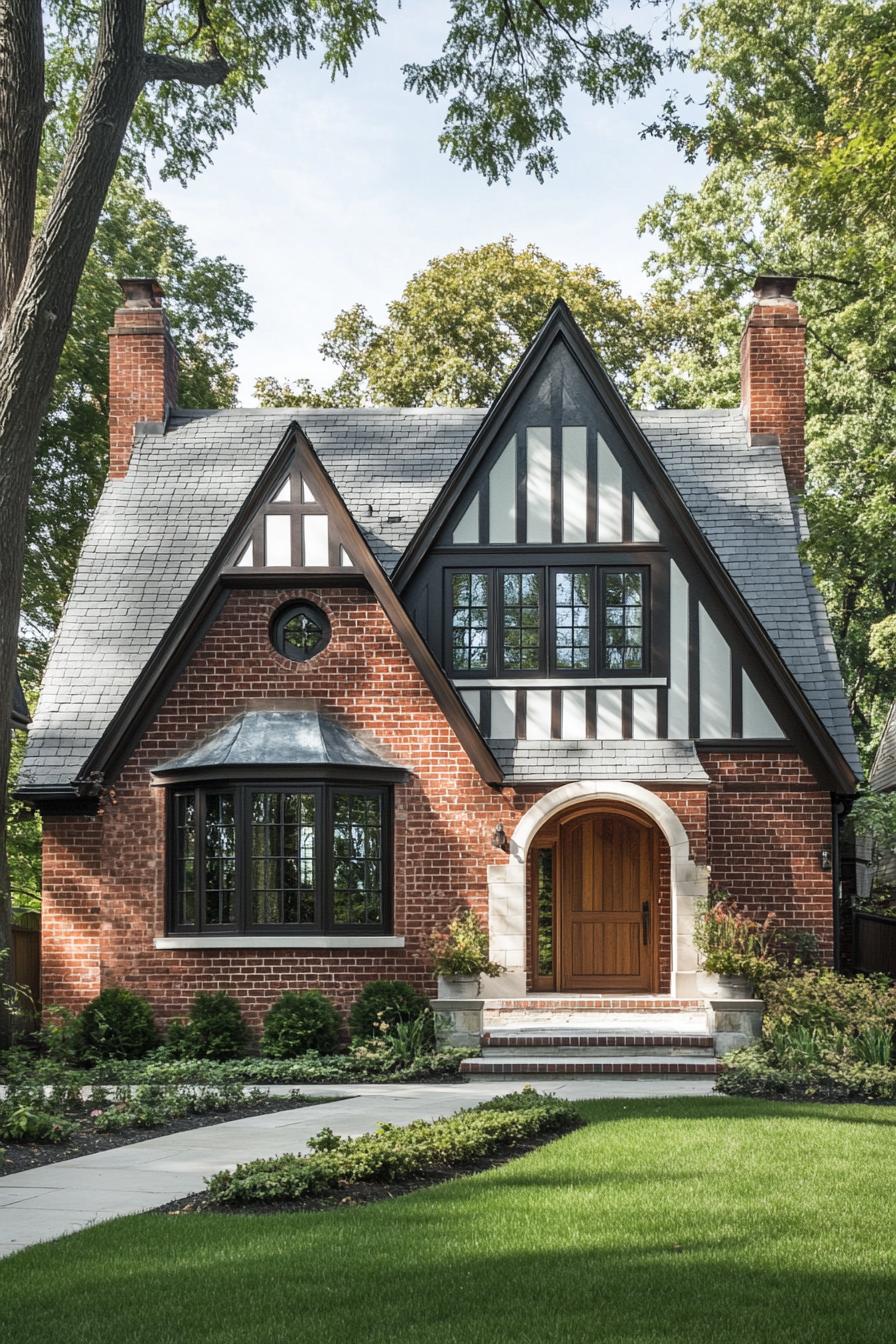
201	922
326	862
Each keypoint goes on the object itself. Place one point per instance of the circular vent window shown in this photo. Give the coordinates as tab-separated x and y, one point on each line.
300	631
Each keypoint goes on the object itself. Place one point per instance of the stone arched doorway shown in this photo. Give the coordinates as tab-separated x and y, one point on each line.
598	902
508	924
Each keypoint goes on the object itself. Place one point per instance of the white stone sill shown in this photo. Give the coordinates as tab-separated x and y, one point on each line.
322	941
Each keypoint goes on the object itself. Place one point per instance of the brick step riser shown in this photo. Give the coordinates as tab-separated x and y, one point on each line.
593	1051
548	1067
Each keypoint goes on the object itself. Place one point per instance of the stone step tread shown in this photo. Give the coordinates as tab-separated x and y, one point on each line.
604	1003
553	1037
548	1064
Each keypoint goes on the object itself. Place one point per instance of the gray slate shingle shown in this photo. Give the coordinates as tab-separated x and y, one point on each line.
154	532
561	762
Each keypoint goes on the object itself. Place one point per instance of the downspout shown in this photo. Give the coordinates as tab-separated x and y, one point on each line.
839	810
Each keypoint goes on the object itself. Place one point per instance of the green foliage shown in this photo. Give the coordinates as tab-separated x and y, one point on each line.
393	1154
299	1022
462	947
730	942
153	1106
381	1005
825	1036
460	327
22	1123
117	1024
797	128
216	1029
363	1064
873	818
832	1003
753	1072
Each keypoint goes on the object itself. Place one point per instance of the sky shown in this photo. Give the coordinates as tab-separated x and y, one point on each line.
330	194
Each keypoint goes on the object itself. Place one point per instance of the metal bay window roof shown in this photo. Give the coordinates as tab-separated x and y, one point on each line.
301	741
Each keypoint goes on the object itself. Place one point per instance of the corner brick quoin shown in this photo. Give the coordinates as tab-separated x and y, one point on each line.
760	824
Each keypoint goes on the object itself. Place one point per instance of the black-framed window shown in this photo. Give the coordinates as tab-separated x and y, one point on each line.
572	619
299	631
280	858
623	619
470	607
521	620
563	620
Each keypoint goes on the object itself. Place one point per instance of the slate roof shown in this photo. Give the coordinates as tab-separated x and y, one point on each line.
154	532
19	716
639	762
278	737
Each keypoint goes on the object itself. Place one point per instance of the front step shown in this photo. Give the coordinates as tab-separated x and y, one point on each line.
565	1044
543	1065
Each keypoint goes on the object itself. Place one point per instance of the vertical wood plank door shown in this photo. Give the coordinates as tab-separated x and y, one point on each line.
607	903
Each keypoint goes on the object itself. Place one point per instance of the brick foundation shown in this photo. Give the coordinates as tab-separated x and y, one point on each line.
761	823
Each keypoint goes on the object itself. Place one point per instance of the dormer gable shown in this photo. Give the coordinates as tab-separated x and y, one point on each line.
561	493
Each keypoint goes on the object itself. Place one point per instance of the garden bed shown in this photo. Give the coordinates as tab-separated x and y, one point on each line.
15	1157
361	1192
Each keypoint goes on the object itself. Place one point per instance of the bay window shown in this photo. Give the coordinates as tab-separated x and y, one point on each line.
280	858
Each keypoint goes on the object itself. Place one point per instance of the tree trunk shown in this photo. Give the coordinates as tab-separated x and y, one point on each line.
37	317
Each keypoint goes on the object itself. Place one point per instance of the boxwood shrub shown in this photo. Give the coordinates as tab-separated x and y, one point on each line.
216	1029
299	1022
117	1024
393	1153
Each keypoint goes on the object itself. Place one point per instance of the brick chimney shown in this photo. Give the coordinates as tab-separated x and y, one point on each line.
773	372
142	368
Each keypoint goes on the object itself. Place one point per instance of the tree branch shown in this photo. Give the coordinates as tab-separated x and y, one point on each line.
157	66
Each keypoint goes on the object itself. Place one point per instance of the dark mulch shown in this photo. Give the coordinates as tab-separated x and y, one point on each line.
23	1156
362	1192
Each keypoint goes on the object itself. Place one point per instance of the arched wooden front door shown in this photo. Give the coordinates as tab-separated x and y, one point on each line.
604	875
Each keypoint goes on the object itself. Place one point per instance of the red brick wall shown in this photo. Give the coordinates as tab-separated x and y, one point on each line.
768	823
760	824
142	378
773	382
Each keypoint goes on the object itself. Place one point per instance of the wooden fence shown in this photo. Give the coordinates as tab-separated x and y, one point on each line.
874	942
25	972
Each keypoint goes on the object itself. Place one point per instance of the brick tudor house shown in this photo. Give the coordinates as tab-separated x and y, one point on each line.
326	674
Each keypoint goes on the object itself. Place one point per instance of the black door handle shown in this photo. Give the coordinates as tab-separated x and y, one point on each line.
645	921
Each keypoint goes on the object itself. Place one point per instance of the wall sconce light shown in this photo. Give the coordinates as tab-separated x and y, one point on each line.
499	839
825	860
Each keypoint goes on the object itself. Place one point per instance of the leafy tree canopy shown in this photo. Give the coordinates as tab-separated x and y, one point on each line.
460	327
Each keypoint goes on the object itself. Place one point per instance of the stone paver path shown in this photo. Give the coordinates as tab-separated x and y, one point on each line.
63	1197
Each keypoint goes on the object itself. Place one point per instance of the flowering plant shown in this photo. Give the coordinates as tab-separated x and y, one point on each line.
462	947
730	942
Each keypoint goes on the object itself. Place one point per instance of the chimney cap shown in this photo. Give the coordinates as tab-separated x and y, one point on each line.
775	288
141	291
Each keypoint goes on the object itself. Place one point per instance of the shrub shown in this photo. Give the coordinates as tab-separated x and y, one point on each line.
462	947
61	1035
152	1105
731	942
117	1024
299	1022
381	1005
754	1072
216	1029
391	1153
831	1003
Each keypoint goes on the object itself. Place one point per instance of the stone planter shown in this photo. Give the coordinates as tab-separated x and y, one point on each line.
723	986
458	986
458	1022
734	1023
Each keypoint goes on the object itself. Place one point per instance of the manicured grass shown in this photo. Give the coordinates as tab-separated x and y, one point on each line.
692	1220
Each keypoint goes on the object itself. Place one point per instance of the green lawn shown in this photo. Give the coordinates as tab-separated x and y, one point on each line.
694	1220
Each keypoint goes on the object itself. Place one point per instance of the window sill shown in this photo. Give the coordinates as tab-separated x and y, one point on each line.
324	941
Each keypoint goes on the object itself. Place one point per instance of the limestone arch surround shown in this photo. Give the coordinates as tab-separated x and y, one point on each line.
507	883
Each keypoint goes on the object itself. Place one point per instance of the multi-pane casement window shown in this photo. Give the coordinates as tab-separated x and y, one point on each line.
280	858
549	621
